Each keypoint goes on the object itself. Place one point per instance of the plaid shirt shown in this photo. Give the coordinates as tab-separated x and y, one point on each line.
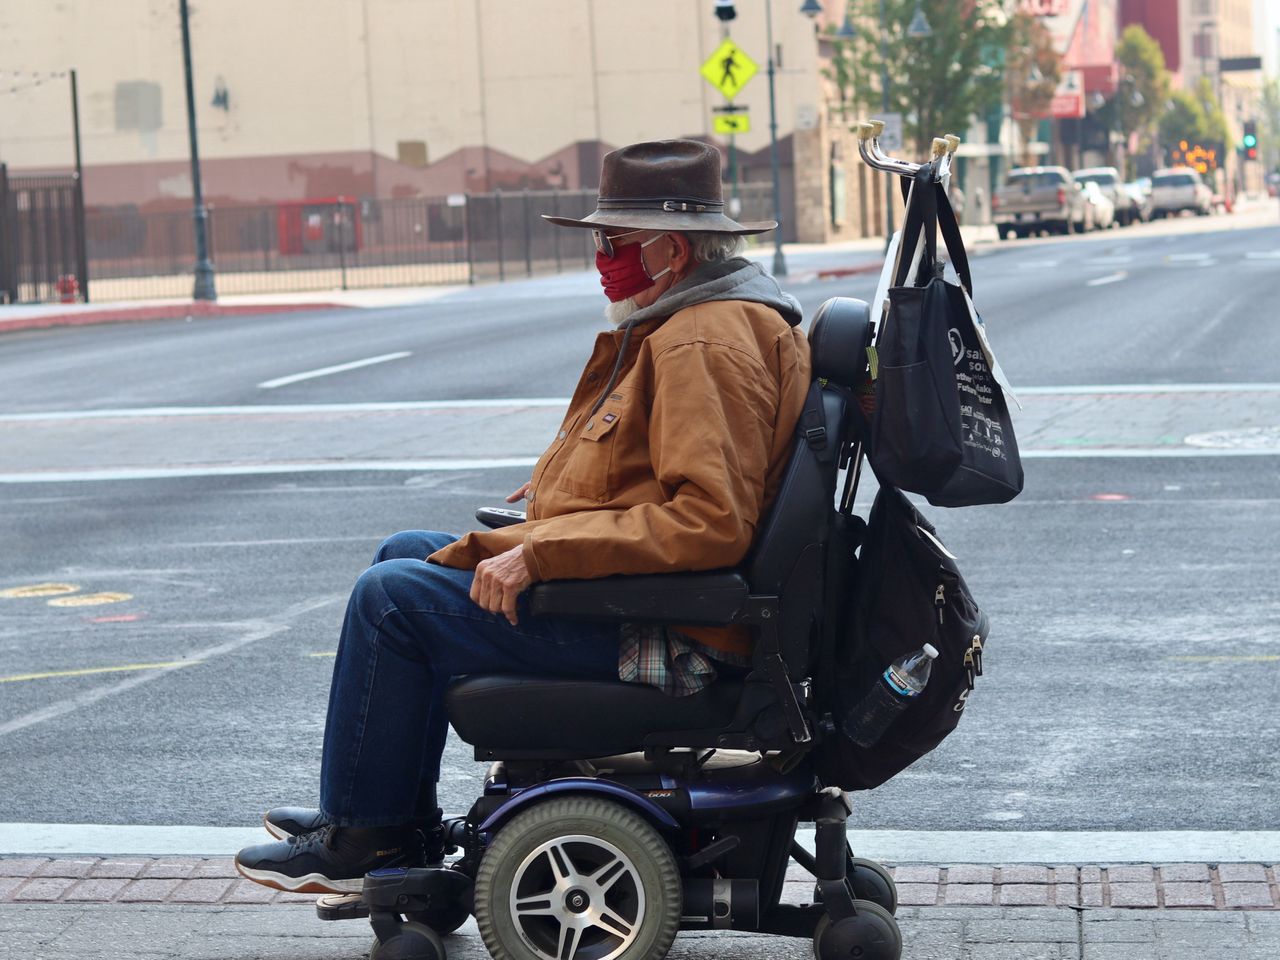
667	659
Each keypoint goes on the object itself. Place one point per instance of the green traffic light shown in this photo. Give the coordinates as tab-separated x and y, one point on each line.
1250	140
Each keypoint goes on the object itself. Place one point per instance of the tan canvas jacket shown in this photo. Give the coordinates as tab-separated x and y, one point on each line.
675	469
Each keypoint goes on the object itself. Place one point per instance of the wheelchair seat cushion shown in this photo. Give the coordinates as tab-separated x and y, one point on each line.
585	718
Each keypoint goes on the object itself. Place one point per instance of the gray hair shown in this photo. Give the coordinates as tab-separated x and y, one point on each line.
714	246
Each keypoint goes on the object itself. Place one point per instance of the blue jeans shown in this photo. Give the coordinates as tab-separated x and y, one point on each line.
410	628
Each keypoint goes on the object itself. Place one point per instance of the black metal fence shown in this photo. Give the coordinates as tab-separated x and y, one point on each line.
348	243
42	242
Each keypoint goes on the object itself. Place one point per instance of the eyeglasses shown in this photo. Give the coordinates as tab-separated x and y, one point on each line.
604	243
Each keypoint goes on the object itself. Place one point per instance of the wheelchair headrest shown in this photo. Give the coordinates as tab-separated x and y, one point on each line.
838	340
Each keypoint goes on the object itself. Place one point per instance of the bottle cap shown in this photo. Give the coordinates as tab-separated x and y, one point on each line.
931	651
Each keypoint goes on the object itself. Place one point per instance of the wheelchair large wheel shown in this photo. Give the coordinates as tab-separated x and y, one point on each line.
578	878
872	934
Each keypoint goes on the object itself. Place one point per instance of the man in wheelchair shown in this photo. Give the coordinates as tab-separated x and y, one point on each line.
673	443
679	436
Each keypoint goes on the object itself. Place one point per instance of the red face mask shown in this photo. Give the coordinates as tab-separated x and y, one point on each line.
624	275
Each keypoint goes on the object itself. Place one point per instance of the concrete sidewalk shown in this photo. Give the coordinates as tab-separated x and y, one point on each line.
195	932
92	908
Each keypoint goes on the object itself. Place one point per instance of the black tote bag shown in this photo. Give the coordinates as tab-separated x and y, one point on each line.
941	426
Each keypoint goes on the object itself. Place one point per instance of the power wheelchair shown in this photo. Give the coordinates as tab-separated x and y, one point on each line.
614	816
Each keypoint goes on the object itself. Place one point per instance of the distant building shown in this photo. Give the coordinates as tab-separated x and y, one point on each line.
302	99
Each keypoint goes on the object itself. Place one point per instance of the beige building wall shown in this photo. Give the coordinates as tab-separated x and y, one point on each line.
397	98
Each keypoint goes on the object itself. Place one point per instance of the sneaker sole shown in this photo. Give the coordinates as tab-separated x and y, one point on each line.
275	831
308	883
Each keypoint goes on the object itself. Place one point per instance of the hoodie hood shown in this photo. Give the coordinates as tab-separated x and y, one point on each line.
733	279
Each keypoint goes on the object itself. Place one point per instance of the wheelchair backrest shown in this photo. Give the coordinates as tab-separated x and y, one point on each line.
788	557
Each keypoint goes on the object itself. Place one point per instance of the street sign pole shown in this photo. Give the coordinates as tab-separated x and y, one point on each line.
779	261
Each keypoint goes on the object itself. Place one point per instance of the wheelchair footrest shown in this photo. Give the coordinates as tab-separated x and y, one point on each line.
341	906
420	890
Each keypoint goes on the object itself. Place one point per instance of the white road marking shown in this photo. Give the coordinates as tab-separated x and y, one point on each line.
889	846
262	469
1109	278
1262	255
1067	846
258	410
1192	259
1038	264
326	371
1108	261
1109	453
1103	389
256	630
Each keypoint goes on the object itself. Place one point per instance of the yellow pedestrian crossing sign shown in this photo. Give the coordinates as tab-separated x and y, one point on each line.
729	69
731	123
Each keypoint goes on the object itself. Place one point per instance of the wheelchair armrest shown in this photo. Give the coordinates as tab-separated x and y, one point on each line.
494	517
710	599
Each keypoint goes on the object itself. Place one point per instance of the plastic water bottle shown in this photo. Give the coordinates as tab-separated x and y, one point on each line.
902	681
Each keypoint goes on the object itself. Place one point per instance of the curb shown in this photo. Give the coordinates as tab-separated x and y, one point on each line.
1206	887
834	273
171	311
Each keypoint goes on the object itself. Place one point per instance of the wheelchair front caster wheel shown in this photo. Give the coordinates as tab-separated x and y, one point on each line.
413	941
872	934
867	880
443	920
870	881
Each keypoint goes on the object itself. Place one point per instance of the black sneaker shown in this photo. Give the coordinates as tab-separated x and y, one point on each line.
329	860
285	822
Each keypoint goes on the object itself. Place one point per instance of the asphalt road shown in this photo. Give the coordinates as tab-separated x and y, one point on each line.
1132	673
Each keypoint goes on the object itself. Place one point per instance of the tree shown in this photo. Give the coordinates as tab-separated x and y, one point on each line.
1143	90
1184	119
939	82
1215	130
1033	69
1269	128
1194	116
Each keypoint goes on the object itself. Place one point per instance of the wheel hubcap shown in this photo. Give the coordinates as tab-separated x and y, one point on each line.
577	898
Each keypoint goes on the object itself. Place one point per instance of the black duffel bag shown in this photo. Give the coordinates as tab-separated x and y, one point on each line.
907	592
941	426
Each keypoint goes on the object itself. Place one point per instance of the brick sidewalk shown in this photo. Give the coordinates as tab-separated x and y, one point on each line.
179	880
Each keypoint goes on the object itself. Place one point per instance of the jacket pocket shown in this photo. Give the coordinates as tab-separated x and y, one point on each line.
589	460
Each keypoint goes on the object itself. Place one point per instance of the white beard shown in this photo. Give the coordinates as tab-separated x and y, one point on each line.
619	313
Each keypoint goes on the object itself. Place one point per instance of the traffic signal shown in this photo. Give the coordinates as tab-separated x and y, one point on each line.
1251	140
725	10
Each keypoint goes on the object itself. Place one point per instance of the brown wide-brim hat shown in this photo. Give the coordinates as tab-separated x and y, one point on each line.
662	185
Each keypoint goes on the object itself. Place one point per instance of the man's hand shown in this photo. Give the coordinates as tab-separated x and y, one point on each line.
521	493
499	581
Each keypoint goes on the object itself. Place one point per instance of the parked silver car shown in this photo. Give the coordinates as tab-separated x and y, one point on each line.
1179	188
1109	182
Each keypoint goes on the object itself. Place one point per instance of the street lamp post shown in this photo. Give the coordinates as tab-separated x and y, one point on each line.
884	97
779	261
204	288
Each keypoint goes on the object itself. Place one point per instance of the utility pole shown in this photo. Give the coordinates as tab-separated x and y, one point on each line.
204	288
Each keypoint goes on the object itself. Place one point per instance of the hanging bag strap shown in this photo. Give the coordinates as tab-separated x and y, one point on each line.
950	228
920	219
